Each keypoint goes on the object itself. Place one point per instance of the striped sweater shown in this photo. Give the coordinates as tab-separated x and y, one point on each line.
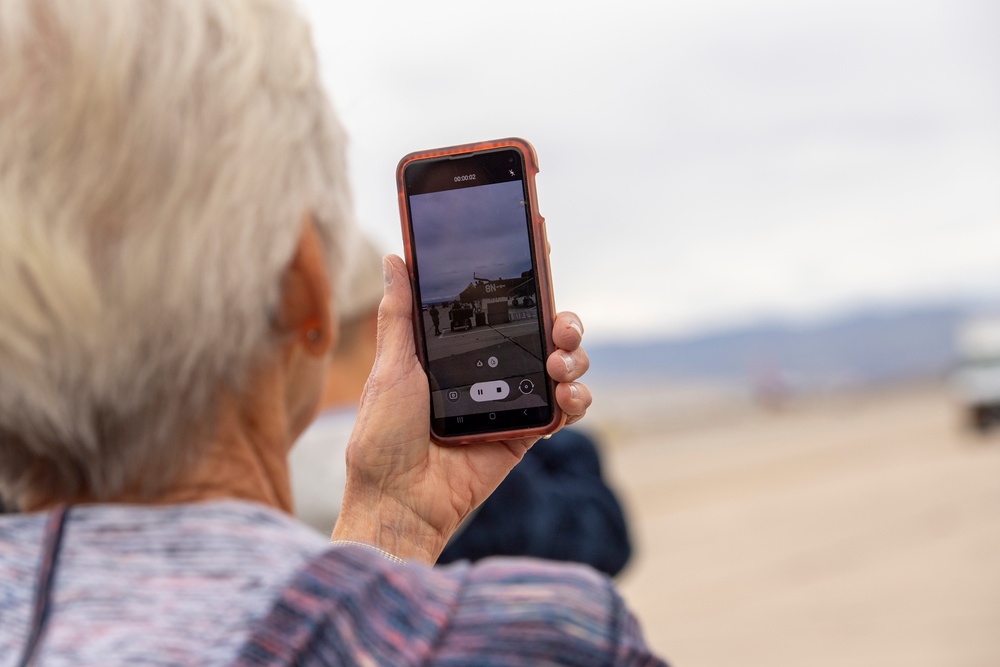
237	583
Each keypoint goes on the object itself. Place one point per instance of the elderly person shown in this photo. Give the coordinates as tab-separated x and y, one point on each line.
173	213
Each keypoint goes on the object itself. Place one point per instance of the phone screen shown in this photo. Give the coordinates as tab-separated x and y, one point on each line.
475	270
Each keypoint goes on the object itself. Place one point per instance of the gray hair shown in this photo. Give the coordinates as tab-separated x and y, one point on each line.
156	159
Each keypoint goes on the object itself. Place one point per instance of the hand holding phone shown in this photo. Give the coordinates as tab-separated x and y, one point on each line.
405	494
477	256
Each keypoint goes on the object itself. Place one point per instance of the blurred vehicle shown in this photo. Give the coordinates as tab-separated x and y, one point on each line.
977	377
461	317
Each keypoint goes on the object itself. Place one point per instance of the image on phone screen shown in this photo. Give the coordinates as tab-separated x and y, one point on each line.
478	293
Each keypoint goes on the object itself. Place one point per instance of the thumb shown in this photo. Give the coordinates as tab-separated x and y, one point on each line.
395	315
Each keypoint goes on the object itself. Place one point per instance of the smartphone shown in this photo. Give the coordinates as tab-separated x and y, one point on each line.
478	260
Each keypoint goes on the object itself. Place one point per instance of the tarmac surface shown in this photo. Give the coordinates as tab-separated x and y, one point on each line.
509	352
860	530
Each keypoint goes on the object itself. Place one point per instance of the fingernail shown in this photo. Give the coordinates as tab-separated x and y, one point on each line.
577	327
570	363
386	271
574	391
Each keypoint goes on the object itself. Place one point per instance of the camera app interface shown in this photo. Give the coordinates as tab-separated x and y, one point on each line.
478	294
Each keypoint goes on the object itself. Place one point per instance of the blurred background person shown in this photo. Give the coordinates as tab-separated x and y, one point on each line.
554	504
318	466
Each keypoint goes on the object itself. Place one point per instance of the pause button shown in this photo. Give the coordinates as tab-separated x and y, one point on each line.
495	390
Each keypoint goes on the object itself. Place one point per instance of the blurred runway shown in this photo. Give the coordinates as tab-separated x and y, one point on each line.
849	531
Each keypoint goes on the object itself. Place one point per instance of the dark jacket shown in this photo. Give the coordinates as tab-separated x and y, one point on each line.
554	505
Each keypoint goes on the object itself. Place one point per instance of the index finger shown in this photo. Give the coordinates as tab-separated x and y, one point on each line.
567	331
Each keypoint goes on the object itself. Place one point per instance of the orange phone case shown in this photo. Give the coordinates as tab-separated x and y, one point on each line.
539	240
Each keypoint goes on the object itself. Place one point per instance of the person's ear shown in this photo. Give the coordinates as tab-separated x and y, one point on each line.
305	294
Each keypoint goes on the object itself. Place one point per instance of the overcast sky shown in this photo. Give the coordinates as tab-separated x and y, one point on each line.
703	162
470	231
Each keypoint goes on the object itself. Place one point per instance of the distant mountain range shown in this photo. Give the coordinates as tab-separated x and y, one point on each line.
857	349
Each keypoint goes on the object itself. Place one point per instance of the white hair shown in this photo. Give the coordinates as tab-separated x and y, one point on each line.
156	160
